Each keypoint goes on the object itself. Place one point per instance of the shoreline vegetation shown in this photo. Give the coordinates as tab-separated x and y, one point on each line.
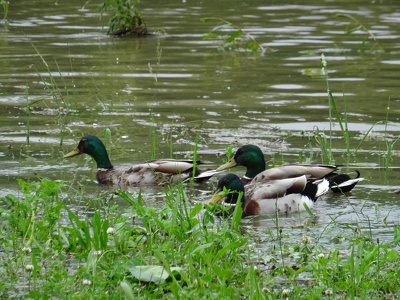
179	250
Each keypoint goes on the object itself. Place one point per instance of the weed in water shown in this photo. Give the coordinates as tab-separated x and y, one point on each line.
4	4
238	39
324	144
55	92
388	158
125	17
355	25
28	117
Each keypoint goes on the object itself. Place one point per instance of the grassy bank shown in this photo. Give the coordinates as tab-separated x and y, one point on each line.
50	250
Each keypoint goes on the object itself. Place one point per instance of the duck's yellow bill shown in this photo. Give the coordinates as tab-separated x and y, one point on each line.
231	163
216	198
72	153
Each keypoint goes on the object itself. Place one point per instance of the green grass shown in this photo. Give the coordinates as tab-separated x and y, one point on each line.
50	248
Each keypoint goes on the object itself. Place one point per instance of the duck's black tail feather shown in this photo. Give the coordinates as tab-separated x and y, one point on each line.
343	183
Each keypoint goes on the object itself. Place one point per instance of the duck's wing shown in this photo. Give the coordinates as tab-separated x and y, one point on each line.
275	188
295	170
183	168
168	166
161	171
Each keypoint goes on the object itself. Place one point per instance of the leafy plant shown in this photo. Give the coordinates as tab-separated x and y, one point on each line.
178	250
125	17
33	216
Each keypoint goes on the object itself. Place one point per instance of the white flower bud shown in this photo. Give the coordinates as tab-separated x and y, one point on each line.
86	282
306	239
27	249
110	230
285	292
328	292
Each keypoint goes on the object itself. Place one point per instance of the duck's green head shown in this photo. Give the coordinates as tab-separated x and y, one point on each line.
249	156
229	182
94	147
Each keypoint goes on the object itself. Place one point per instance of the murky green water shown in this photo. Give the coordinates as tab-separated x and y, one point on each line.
61	77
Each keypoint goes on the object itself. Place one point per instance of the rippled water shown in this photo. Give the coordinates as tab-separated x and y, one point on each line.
57	58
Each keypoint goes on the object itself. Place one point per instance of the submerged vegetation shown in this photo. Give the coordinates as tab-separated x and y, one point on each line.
180	251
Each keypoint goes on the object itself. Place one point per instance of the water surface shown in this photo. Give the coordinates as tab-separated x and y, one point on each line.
62	77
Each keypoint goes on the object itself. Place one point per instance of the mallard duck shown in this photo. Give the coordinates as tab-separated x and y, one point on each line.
282	196
252	157
150	172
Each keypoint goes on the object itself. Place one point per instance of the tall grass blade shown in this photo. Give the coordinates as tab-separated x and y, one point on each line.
364	137
342	123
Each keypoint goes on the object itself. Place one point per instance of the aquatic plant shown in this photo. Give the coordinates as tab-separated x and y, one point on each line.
355	25
388	157
4	4
234	36
341	117
125	17
55	93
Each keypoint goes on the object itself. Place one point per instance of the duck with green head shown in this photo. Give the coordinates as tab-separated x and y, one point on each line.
282	196
150	172
251	157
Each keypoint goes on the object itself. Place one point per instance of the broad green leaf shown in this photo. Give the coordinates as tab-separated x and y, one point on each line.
201	247
228	247
392	255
